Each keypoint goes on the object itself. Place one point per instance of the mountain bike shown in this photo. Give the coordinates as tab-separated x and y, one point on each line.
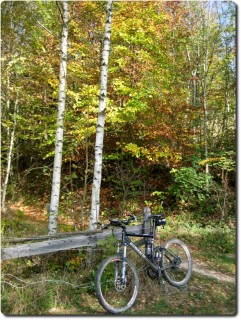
117	282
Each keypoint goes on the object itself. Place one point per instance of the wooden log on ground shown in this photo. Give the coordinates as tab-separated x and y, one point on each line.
67	243
51	236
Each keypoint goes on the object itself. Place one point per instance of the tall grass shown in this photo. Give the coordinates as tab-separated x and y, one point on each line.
63	283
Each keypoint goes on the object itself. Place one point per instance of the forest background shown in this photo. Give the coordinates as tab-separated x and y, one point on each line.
170	125
170	116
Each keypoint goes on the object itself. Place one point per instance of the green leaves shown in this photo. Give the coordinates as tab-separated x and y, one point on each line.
155	70
188	182
224	162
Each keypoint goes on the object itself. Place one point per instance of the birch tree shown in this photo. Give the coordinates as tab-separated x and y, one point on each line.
95	199
12	70
53	210
9	157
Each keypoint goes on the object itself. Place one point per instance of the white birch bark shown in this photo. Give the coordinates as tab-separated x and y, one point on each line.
53	210
95	199
9	159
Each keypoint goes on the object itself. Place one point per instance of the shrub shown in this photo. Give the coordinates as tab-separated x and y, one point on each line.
199	193
190	185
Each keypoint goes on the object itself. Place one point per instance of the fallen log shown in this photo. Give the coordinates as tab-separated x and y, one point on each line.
63	243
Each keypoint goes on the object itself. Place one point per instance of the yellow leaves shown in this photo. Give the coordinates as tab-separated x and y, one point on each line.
153	154
226	163
30	263
210	160
133	149
120	86
53	82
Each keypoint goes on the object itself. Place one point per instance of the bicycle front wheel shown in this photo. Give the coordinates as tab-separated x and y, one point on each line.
114	293
176	262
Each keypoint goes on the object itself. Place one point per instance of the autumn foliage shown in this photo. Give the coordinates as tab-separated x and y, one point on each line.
171	104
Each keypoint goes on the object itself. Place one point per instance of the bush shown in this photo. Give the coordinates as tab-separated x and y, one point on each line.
198	192
191	187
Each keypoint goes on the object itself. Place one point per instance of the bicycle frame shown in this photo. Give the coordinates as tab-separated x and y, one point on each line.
117	279
126	241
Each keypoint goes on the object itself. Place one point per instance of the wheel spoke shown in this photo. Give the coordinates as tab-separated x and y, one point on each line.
113	293
176	262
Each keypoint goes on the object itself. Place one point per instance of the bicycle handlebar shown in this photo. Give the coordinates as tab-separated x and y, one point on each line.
120	223
132	217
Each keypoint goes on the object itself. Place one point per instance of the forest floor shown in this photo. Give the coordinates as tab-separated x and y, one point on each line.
62	283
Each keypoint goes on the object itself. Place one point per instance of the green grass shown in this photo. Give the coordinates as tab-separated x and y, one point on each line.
203	296
63	283
19	225
213	244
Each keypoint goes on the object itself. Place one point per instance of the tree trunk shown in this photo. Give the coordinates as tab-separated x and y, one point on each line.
95	199
9	158
205	108
53	211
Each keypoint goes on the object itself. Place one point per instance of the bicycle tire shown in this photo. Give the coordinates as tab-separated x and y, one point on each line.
176	262
119	299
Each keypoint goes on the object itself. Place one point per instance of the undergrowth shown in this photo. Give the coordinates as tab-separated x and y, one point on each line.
63	282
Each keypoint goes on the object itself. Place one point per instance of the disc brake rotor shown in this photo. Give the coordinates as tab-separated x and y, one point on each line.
119	285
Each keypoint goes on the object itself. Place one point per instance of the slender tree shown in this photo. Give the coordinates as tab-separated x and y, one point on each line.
53	210
206	40
9	157
204	45
95	199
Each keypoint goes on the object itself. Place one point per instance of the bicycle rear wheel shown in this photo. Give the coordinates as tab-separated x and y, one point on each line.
176	262
113	294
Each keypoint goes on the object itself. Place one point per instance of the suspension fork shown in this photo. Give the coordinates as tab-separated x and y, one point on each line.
123	277
124	258
117	263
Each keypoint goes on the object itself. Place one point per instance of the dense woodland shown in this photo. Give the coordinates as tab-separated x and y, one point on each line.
109	107
169	140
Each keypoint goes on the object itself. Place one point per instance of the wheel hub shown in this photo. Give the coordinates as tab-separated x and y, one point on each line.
119	285
177	263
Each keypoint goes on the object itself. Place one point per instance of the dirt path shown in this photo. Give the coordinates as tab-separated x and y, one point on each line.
212	274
